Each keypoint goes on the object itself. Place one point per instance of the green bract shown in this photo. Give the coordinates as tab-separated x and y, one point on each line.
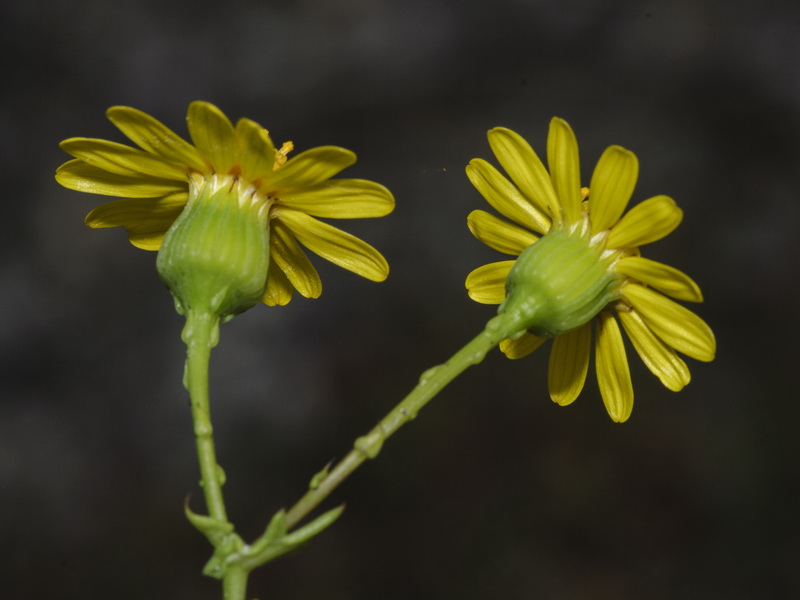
214	258
556	285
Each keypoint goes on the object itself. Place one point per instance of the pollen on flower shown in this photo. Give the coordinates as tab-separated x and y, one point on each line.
280	155
621	306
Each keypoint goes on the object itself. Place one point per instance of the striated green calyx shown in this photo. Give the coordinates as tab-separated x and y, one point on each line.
556	285
214	258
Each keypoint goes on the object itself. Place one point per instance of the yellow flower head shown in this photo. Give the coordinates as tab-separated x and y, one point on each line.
587	268
165	174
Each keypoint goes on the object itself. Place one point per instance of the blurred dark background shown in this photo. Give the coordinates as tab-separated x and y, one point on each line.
494	492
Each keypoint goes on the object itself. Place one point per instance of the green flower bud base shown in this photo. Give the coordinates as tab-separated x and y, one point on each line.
215	256
556	285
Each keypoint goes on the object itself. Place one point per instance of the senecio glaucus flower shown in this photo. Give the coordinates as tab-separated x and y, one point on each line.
579	268
227	211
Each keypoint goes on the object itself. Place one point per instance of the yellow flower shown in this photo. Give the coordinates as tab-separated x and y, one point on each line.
629	288
157	180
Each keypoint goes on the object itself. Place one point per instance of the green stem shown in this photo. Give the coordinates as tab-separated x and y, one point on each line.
430	383
201	335
234	585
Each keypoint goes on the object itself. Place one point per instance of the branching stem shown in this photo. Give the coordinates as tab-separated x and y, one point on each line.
430	383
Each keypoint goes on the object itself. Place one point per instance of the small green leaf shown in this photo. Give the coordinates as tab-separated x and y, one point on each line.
275	542
317	479
215	567
316	526
214	529
227	551
275	531
221	475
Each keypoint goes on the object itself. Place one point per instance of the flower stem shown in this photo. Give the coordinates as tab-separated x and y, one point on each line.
430	383
234	585
201	334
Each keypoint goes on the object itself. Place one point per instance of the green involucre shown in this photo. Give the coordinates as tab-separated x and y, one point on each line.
215	256
556	285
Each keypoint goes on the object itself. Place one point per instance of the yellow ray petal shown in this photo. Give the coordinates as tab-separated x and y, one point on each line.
675	325
505	198
569	363
149	235
82	177
498	234
154	137
646	222
212	133
664	278
256	153
662	360
147	232
335	245
279	291
131	211
611	364
525	169
292	261
123	160
150	227
522	346
565	170
309	168
487	284
342	199
613	181
150	240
